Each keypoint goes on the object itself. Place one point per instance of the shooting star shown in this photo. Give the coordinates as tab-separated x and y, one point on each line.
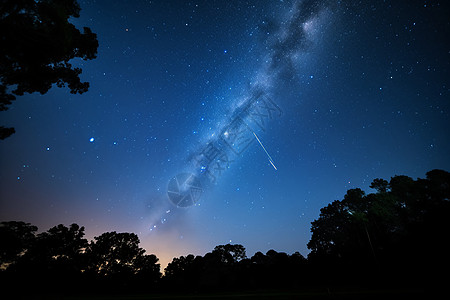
270	158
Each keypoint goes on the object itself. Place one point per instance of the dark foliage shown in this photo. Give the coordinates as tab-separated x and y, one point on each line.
38	42
228	268
115	260
15	237
395	237
61	260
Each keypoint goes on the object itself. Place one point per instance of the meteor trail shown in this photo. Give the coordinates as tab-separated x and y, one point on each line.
270	158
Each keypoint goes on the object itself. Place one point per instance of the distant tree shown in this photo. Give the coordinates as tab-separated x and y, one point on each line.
298	259
15	239
229	254
276	270
185	272
38	42
258	258
148	270
179	266
217	269
277	258
380	185
117	254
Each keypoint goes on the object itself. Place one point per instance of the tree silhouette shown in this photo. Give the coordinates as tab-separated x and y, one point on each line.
53	257
184	272
276	270
330	231
117	263
229	254
38	42
147	269
61	260
178	266
404	222
380	185
57	250
16	238
118	255
218	269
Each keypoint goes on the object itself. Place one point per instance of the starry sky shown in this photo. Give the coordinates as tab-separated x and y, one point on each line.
362	90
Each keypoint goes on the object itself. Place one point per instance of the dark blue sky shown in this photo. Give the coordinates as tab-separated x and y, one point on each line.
364	90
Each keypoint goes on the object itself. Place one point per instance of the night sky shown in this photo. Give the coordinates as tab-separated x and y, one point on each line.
361	91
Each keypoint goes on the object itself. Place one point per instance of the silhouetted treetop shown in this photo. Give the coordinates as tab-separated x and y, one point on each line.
57	250
15	238
147	268
64	241
403	211
380	185
229	254
38	42
179	265
115	253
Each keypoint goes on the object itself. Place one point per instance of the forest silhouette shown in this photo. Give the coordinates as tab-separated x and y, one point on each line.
393	238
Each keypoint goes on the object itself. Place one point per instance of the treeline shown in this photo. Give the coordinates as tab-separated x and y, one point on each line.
394	237
62	260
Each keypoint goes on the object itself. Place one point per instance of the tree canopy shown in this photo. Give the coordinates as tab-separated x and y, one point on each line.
38	43
15	238
62	256
405	221
114	253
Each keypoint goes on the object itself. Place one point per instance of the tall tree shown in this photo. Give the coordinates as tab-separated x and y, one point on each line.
330	230
38	43
115	253
404	222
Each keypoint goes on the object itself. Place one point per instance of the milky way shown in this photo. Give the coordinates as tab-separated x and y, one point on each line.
285	42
